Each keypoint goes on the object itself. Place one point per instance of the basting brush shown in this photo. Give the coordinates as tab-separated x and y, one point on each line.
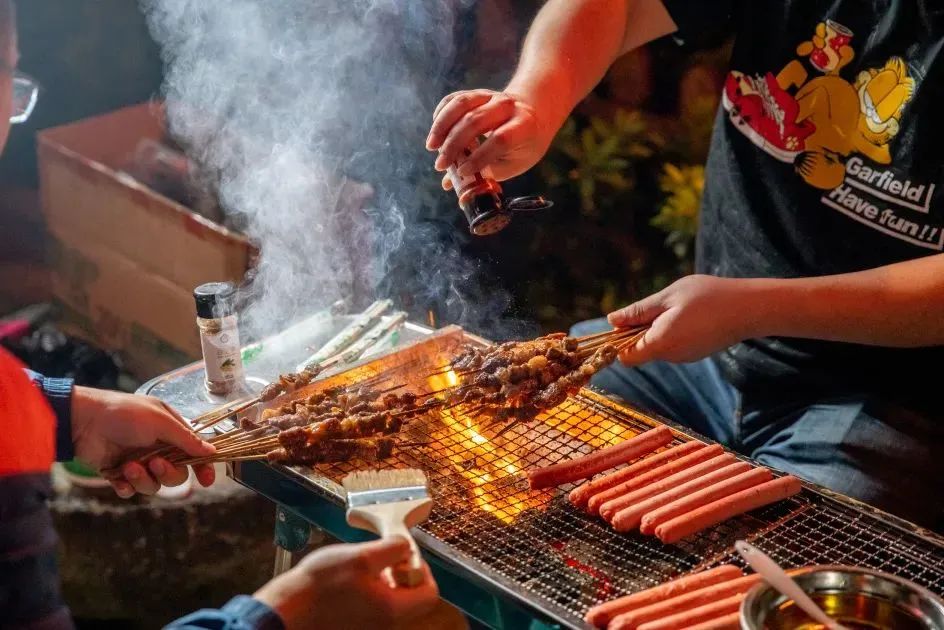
389	503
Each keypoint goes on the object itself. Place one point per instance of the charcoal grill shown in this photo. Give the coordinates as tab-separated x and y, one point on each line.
490	537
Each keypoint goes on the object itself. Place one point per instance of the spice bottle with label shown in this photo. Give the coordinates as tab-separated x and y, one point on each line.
482	201
219	336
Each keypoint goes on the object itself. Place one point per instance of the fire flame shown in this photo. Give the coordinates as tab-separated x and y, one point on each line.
489	466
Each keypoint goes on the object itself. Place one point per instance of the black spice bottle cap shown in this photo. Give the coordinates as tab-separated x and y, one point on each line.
214	299
486	214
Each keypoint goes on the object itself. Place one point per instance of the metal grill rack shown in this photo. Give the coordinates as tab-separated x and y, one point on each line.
562	561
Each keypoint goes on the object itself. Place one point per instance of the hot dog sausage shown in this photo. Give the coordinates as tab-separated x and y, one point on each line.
609	509
598	461
651	520
601	614
686	619
630	517
730	506
634	618
663	471
582	493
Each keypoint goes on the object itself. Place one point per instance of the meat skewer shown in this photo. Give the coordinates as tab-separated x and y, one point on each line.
523	379
370	449
512	383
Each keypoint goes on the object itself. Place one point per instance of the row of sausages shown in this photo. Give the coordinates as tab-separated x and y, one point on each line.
708	600
672	494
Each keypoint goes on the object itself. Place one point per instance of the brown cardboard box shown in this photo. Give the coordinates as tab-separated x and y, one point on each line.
125	259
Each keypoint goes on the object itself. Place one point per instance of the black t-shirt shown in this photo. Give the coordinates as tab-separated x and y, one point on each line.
827	157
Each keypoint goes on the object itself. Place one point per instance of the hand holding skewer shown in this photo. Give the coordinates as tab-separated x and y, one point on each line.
107	425
690	319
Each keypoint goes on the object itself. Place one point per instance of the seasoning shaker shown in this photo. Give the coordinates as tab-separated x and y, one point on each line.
219	336
482	201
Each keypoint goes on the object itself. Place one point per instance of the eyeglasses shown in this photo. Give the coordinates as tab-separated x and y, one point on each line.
25	95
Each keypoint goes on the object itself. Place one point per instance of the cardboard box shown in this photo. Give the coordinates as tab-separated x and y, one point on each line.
125	258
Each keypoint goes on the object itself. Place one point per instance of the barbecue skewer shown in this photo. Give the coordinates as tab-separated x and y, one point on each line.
512	382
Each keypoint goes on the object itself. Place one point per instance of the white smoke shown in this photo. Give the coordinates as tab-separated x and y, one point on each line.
302	109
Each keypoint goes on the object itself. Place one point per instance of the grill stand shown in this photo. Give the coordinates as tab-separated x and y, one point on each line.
292	535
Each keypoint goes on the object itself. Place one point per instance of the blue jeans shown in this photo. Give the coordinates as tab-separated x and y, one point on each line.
858	445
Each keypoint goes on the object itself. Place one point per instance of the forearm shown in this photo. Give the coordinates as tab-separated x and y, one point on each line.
898	305
572	43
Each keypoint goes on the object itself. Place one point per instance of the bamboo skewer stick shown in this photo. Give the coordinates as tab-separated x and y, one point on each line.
256	446
204	420
605	333
186	460
246	439
609	338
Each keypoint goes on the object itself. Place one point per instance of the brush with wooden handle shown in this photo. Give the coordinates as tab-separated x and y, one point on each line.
389	503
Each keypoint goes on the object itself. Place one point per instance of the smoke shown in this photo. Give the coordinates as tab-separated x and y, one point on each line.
311	117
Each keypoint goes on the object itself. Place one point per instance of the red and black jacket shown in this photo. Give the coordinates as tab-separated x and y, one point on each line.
35	430
29	581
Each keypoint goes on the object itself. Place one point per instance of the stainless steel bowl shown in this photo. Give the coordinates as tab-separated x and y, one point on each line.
858	598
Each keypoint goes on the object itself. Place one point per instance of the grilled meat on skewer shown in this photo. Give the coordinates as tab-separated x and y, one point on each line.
369	449
288	383
521	389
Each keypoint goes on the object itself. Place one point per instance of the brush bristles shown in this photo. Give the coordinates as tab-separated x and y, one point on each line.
383	479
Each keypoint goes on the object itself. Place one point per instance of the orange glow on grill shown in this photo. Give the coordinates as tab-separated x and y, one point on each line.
489	466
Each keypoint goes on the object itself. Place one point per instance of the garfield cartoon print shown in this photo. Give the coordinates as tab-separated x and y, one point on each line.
810	116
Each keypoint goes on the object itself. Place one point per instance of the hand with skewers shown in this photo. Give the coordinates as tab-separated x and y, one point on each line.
107	425
693	318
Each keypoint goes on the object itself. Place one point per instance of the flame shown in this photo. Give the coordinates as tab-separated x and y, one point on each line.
487	465
491	467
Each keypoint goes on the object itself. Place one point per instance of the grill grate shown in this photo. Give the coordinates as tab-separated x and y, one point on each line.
565	561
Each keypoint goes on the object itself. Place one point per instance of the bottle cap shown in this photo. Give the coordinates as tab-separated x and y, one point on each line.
486	214
214	299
